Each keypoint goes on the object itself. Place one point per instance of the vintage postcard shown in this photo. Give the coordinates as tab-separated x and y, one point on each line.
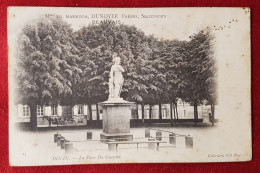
128	85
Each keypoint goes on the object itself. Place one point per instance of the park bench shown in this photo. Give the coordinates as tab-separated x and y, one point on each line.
134	142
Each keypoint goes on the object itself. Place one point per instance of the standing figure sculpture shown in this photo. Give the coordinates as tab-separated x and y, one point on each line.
116	78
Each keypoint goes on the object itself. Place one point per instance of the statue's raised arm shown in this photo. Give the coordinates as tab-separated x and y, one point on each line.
116	78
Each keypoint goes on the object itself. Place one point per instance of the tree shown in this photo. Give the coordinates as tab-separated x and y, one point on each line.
173	59
126	41
45	64
59	66
200	69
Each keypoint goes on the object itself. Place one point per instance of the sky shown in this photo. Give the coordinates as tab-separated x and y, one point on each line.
178	23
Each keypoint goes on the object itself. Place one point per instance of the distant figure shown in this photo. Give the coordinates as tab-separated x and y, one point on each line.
116	78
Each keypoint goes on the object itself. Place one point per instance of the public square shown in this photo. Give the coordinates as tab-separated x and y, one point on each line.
45	151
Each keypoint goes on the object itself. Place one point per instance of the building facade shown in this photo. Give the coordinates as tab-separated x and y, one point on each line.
78	115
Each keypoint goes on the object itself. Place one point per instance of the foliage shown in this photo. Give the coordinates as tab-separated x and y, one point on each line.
47	62
57	65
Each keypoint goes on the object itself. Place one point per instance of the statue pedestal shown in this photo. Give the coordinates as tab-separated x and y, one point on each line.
116	120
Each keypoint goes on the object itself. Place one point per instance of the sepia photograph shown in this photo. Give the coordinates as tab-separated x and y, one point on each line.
128	85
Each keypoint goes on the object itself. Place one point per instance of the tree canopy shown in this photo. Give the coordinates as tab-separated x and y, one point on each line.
59	65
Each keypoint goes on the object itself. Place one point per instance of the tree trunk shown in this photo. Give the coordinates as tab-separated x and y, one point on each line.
171	113
176	111
137	114
160	111
90	114
142	113
33	117
195	112
197	115
174	108
212	105
97	111
150	112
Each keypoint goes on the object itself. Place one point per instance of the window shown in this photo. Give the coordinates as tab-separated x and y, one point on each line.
164	113
134	113
54	110
101	114
146	114
26	111
80	109
39	111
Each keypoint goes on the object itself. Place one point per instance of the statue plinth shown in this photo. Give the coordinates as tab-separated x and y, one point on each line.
116	120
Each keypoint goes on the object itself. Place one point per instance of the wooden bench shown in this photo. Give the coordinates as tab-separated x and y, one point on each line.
135	142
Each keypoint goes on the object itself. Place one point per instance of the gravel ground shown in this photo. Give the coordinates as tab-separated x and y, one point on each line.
38	148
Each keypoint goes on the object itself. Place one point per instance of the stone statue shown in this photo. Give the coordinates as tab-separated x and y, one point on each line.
116	78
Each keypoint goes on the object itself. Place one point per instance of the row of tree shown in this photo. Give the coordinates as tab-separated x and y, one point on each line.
56	65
